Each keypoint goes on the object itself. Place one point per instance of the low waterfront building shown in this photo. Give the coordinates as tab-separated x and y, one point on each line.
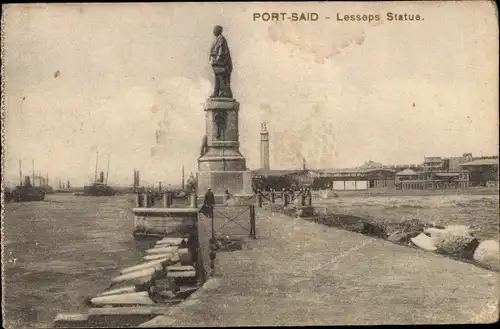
432	179
482	172
333	179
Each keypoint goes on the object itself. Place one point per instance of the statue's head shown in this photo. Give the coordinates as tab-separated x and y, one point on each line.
217	30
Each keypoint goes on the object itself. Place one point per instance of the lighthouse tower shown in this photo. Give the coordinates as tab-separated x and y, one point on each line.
264	148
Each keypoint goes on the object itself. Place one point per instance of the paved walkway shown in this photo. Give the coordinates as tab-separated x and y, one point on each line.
303	273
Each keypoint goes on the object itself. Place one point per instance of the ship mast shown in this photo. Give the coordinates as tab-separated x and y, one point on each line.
182	185
96	162
107	172
20	174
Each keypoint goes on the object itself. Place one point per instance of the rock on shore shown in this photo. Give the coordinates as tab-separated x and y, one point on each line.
487	255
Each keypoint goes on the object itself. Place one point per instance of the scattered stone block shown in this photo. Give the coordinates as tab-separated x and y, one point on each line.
162	250
71	320
145	273
143	265
136	298
181	274
402	237
157	256
460	230
124	290
142	283
487	255
424	242
454	240
407	225
462	246
180	268
169	241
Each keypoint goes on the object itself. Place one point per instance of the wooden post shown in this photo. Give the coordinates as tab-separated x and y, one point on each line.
273	197
145	201
252	222
309	198
193	201
166	199
138	200
259	198
283	195
285	199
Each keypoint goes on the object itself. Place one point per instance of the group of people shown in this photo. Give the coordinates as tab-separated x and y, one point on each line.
209	202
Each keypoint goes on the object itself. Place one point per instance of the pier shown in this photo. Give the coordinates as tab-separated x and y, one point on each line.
304	273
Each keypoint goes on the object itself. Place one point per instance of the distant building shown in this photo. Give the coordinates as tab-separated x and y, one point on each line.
333	179
433	163
405	175
432	179
482	171
434	172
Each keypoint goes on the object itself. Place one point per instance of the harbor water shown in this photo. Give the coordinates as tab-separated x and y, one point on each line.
59	251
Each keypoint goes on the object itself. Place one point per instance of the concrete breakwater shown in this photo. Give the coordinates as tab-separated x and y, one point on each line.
174	267
454	241
141	292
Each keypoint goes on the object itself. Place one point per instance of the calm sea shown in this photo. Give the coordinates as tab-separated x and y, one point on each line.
59	251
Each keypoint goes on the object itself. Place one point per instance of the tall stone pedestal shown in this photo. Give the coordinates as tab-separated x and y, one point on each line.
222	167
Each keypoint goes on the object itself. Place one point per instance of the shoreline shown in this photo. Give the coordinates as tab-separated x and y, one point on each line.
389	192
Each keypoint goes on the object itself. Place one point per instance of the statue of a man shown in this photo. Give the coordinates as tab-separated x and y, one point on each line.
220	59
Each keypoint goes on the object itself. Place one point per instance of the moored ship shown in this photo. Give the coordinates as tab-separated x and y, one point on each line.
99	187
27	192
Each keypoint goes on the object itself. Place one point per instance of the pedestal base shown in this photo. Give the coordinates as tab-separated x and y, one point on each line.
238	183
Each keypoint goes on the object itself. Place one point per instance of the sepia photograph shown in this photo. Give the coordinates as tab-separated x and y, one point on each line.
249	164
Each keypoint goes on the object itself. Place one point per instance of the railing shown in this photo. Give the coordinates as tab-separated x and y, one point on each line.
222	217
287	196
147	199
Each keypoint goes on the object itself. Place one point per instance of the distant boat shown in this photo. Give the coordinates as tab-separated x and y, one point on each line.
28	193
25	191
99	187
7	195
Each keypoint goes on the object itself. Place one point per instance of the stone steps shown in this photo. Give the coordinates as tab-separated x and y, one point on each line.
140	292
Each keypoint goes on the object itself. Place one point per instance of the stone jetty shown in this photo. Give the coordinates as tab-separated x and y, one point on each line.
303	273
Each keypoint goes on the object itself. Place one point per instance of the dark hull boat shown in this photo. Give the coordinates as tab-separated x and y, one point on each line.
98	189
7	195
28	193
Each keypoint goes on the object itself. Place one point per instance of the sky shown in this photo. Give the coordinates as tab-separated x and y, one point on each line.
82	78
